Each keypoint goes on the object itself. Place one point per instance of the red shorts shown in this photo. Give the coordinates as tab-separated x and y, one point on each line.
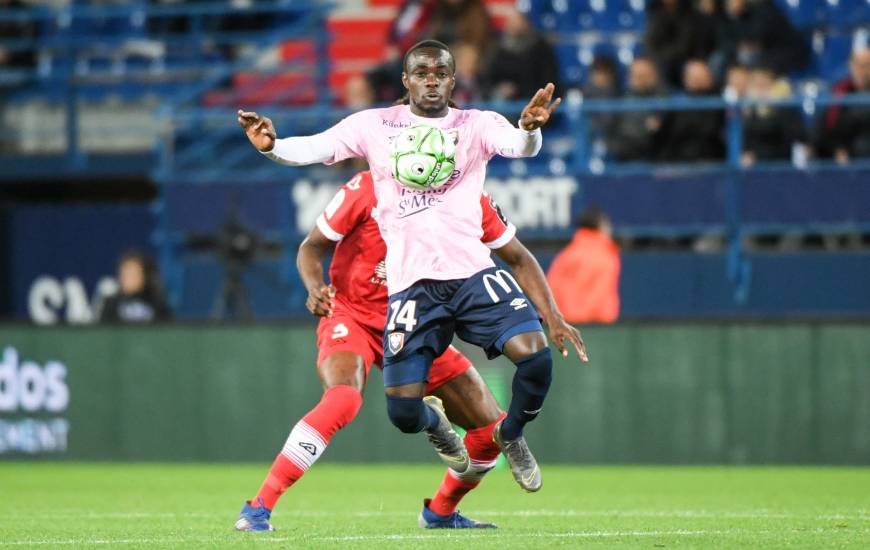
342	332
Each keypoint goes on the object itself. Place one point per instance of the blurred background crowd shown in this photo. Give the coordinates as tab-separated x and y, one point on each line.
756	49
739	48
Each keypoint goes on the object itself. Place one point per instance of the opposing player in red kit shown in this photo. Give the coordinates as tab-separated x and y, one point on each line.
350	339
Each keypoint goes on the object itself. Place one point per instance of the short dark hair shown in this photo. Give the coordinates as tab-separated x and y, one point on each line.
605	64
592	218
432	44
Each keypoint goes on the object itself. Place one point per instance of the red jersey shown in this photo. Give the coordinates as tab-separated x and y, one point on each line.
357	269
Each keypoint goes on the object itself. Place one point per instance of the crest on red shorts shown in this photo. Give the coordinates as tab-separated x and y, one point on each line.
396	341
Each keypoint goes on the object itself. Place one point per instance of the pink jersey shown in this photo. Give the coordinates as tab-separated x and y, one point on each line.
432	234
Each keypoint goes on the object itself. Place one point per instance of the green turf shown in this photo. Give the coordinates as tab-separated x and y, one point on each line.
184	506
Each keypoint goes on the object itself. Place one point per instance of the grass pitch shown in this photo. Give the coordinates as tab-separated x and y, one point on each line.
184	506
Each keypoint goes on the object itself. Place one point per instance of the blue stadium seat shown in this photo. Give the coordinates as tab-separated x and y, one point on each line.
540	13
570	66
631	15
848	13
600	15
805	13
833	59
567	14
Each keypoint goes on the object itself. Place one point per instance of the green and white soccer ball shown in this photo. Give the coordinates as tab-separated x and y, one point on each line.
422	157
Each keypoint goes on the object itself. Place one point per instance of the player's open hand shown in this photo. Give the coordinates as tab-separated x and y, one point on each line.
259	130
320	301
539	109
561	331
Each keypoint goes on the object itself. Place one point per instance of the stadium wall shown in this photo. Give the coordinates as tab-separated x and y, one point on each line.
654	393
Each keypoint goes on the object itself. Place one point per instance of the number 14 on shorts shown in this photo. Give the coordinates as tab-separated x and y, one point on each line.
403	314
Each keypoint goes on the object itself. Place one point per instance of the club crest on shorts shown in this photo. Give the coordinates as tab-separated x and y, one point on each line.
396	341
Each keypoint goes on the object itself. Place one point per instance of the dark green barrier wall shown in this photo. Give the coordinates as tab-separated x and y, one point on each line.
653	393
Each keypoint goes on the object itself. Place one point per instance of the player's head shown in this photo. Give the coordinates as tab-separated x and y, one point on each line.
428	75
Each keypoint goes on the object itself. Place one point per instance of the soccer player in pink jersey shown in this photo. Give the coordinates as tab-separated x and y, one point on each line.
352	310
441	279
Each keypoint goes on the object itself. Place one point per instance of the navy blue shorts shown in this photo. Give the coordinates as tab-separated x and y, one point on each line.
486	309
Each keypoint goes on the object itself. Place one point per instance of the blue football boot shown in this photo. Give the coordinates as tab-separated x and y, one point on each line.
431	520
254	518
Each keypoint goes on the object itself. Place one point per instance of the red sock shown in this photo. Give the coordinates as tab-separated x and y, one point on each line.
482	452
308	440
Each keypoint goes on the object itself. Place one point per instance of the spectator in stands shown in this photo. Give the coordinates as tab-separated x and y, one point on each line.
468	88
20	30
603	83
769	133
584	276
603	79
706	20
410	25
696	135
675	33
846	128
755	32
466	21
140	298
358	93
637	135
737	82
522	61
450	21
386	80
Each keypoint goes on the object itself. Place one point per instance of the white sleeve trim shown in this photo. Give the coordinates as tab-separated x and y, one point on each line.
509	233
302	151
329	232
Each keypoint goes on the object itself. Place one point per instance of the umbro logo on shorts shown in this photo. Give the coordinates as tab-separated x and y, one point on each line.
518	303
310	447
396	341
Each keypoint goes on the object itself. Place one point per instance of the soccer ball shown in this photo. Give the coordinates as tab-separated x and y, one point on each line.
422	157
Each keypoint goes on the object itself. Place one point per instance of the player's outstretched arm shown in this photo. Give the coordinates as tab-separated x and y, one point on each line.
531	278
309	262
502	139
292	151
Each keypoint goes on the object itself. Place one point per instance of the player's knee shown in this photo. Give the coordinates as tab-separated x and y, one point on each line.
406	413
536	370
347	400
524	344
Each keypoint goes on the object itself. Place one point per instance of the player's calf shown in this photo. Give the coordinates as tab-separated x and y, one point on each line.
306	443
530	385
